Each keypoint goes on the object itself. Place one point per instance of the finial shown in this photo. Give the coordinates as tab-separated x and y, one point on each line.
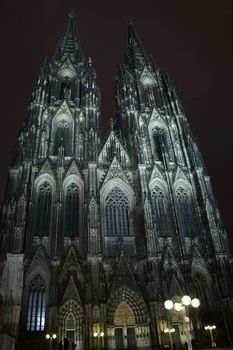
72	13
90	61
129	22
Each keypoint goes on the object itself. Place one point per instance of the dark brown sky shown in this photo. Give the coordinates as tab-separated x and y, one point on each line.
192	40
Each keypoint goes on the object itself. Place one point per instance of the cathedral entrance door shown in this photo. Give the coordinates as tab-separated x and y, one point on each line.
131	338
119	338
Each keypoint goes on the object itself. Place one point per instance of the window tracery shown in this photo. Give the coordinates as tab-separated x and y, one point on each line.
117	213
62	137
186	210
72	210
36	305
43	211
162	214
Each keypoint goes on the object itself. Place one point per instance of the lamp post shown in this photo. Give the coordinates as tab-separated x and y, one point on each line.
210	328
180	307
50	337
170	331
98	335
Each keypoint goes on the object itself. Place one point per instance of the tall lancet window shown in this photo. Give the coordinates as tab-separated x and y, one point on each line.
44	209
72	210
117	213
158	143
162	214
36	305
62	137
186	211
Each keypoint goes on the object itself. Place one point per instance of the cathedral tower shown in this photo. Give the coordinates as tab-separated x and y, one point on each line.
96	235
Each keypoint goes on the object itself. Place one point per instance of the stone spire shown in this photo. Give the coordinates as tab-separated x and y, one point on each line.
69	44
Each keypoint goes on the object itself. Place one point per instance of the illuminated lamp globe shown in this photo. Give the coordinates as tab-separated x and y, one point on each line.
54	336
166	330
186	300
172	330
101	334
178	306
95	334
195	302
47	336
168	304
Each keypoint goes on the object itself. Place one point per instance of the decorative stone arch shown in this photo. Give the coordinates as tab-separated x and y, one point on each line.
73	195
124	214
126	310
62	128
44	191
71	322
133	299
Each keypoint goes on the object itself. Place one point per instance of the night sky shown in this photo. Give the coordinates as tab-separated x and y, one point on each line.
192	40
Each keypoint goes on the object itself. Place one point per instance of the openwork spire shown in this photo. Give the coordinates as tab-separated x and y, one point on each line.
69	44
135	54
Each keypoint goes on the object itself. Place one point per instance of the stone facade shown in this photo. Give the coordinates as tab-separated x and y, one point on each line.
97	233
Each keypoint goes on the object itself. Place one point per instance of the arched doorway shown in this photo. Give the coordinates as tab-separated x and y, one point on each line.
71	323
127	320
124	322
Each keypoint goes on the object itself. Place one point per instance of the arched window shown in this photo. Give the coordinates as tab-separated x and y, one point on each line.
162	212
43	209
117	213
72	213
62	137
36	305
159	143
186	211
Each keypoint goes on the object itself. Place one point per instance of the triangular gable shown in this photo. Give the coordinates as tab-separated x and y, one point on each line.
71	292
156	116
175	287
63	109
67	69
116	171
113	142
169	260
156	174
180	175
123	275
40	260
73	170
46	169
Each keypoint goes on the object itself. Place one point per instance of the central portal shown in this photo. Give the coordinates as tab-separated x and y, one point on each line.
124	323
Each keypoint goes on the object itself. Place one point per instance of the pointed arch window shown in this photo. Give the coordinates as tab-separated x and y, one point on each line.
43	212
72	210
117	213
162	212
186	211
62	137
158	143
36	305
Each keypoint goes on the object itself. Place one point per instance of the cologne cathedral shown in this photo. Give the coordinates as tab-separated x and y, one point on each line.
97	232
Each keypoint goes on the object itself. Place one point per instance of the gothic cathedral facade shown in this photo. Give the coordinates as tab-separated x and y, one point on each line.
96	233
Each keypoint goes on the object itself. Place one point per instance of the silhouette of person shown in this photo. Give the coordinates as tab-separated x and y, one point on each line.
73	345
66	344
60	345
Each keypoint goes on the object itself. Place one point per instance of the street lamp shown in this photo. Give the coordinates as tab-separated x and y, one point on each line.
170	331
50	337
98	335
180	307
210	328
